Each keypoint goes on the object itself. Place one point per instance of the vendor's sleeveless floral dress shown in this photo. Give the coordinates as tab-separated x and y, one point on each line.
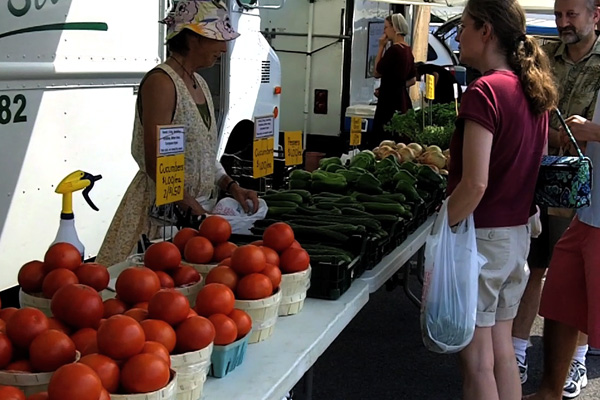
132	217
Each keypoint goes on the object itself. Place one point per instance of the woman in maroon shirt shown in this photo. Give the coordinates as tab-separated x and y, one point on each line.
495	156
395	66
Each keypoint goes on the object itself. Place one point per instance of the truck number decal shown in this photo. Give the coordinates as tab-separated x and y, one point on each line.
5	110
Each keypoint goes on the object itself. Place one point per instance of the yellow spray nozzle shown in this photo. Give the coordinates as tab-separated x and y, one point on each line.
73	182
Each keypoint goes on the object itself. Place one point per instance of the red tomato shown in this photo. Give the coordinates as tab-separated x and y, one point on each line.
214	298
192	313
113	307
104	395
136	284
274	274
159	331
20	365
7	312
75	381
106	368
84	337
94	275
144	373
31	275
50	350
195	333
158	349
223	250
142	305
198	250
6	351
169	305
185	275
271	255
294	260
161	256
216	229
25	325
38	396
226	262
79	306
139	314
278	236
242	321
2	326
182	236
296	245
257	243
58	326
165	280
222	274
254	287
225	329
248	259
56	279
62	255
11	393
120	337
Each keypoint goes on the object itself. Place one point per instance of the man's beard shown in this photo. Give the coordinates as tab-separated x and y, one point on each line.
570	36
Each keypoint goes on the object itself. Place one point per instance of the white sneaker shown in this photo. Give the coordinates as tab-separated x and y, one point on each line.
522	369
576	380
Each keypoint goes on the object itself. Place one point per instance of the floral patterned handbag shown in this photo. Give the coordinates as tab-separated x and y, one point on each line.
564	182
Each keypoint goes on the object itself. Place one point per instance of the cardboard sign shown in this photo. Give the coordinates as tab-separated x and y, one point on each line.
262	163
293	148
430	84
170	163
355	131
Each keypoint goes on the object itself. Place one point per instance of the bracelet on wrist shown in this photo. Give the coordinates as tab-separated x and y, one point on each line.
228	187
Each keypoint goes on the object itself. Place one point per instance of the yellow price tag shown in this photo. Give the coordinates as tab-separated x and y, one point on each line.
262	164
293	148
170	172
355	131
430	84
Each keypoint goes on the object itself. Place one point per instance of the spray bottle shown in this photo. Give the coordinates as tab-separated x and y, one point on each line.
71	183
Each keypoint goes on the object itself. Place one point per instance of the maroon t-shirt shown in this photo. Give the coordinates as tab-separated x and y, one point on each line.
496	101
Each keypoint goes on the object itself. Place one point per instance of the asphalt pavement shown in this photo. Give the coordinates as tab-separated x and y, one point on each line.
380	356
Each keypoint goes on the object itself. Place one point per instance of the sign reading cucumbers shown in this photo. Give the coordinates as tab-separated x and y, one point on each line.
170	164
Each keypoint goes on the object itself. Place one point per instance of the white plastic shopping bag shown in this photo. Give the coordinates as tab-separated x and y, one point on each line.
449	302
240	222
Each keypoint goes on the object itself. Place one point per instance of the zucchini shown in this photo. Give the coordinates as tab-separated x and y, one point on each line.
283	196
276	212
384	208
278	203
319	234
366	198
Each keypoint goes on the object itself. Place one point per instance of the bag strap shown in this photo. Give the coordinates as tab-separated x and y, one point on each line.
569	133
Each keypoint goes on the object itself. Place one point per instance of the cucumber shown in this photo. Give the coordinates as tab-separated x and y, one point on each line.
276	212
304	193
366	198
384	208
278	203
283	196
319	234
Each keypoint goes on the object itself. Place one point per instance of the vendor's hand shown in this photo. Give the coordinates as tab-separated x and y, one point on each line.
582	129
383	40
241	195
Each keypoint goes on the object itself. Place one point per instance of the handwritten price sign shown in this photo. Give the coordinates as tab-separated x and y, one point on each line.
293	148
355	131
170	163
263	157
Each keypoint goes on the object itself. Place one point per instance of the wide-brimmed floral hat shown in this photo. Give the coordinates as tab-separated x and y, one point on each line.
208	18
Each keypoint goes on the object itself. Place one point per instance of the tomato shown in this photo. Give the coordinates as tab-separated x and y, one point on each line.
136	284
274	274
78	306
248	259
2	326
142	305
185	275
75	381
25	325
222	274
11	393
94	275
169	305
158	349
144	373
120	337
278	236
226	262
7	312
225	329
165	280
106	368
192	313
56	279
195	333
31	275
50	350
58	326
84	337
254	287
214	298
159	331
294	260
216	229
139	314
104	395
38	396
91	348
296	245
182	236
113	307
162	255
223	250
271	255
20	365
6	351
62	255
242	320
257	243
198	250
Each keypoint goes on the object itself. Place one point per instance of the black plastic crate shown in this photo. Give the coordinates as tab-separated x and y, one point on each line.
329	281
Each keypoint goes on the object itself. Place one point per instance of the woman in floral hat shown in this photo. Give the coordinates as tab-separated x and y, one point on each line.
174	94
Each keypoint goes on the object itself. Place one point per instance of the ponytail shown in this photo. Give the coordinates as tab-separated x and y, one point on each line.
533	68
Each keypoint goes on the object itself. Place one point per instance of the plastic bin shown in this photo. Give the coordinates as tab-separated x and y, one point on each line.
329	281
364	111
225	359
